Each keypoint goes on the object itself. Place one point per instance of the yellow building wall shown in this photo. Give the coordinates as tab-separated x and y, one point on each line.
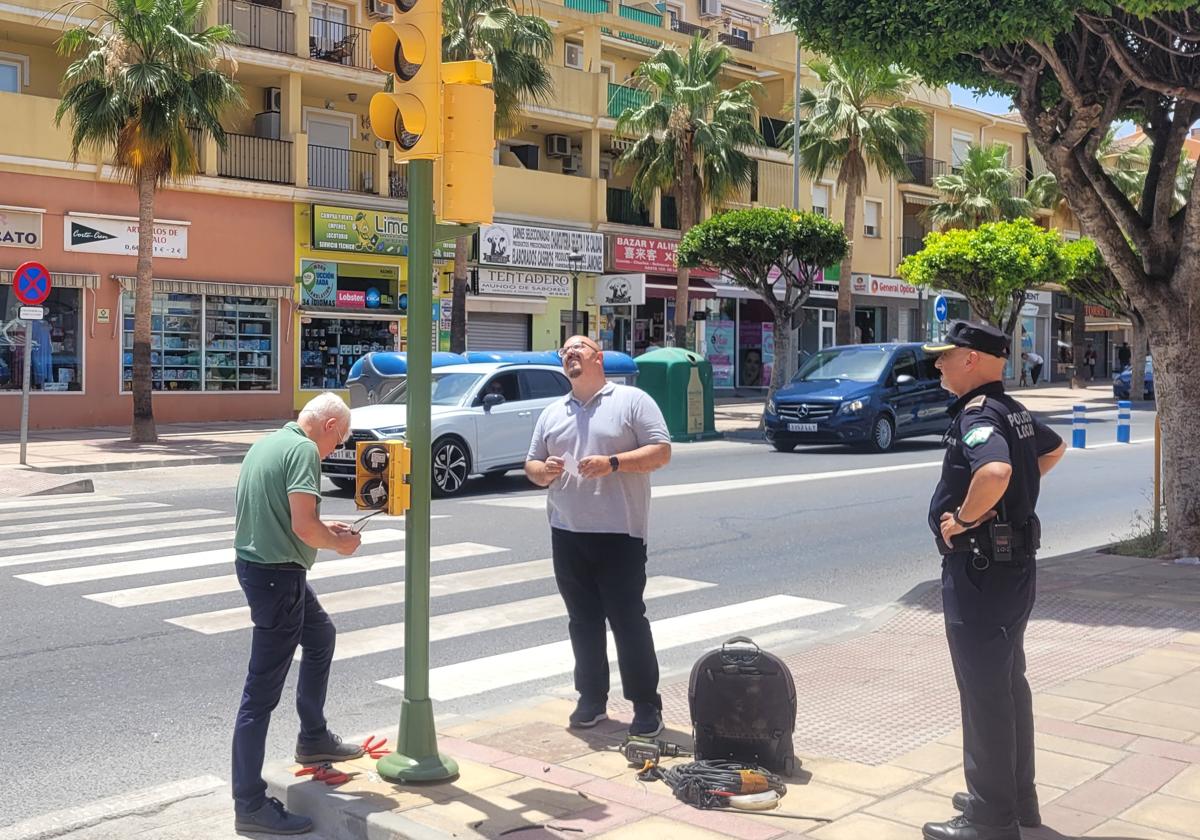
545	327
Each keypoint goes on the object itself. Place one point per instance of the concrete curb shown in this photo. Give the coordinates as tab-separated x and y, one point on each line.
144	464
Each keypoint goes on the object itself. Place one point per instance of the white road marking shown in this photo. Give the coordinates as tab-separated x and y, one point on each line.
161	592
54	514
40	502
167	563
488	673
388	594
99	521
112	533
491	617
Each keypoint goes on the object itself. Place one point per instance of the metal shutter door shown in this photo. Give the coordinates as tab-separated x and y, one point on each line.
497	331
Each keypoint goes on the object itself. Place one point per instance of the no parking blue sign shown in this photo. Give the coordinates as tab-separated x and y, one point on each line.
31	282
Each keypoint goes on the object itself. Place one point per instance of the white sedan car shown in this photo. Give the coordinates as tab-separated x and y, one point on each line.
483	417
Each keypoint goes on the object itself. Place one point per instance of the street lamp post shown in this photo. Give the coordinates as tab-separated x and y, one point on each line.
575	259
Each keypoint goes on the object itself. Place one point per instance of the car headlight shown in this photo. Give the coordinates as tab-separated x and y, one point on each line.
771	407
853	407
392	431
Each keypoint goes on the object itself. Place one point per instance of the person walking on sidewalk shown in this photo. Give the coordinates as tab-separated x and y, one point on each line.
278	532
595	449
983	520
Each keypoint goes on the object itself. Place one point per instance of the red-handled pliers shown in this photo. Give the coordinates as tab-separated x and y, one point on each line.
376	748
324	772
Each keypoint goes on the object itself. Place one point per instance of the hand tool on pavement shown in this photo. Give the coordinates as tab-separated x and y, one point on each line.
324	772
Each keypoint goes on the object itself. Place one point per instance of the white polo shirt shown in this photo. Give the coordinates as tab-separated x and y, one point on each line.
618	418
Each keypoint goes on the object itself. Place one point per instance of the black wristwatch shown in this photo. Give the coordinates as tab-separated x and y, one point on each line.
967	525
614	463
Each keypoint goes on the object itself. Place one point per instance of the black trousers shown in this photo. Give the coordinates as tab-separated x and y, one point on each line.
986	612
1035	372
286	614
603	576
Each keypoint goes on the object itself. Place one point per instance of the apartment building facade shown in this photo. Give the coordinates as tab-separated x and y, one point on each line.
286	256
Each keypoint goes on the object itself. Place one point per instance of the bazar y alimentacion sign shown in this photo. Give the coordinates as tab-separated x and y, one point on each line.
547	249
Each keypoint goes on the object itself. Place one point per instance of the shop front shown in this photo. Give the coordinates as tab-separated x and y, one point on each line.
215	324
526	281
1105	332
888	309
352	290
1036	337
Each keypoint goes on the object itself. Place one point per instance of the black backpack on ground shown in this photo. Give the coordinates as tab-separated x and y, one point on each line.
743	706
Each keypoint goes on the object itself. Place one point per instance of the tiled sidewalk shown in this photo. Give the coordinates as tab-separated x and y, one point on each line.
1114	652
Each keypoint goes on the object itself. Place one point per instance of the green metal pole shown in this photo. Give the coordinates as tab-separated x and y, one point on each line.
416	758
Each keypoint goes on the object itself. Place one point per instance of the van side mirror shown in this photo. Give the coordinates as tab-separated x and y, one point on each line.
492	400
905	379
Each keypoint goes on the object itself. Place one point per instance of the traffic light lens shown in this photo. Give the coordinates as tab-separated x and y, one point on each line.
373	494
374	458
405	5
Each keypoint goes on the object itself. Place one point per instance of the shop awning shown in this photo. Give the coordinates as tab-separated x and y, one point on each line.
910	198
664	287
63	281
212	287
1098	324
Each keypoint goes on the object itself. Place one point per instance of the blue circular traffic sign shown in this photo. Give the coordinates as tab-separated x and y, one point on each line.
31	283
941	308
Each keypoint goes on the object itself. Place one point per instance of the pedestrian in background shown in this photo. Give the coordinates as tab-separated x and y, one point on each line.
595	449
1124	354
278	532
983	520
1035	365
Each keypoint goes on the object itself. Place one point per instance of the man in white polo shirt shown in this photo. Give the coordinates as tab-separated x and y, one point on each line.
595	449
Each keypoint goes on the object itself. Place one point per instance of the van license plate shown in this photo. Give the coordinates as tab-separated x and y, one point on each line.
802	427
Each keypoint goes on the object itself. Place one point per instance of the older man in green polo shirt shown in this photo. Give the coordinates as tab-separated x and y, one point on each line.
279	531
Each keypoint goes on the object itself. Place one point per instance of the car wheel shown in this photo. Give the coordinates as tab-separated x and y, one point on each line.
345	484
451	466
883	434
783	446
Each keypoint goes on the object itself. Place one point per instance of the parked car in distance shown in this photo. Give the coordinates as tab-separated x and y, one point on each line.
862	394
1123	382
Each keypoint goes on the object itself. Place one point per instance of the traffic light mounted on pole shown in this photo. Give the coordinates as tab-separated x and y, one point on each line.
469	111
410	48
382	471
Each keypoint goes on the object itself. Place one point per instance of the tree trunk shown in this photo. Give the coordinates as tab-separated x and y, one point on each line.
1078	344
783	350
458	297
1137	359
1177	392
844	331
686	204
143	430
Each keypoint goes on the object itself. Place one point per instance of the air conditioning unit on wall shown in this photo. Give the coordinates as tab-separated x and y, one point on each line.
573	56
558	145
379	9
272	98
572	164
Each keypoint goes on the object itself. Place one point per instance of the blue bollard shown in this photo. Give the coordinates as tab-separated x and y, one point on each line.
1079	428
1124	413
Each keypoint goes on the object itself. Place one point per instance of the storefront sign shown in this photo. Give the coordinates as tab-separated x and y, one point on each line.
1092	310
718	349
650	255
351	299
318	283
621	290
20	229
547	249
866	284
1040	298
518	282
118	235
365	232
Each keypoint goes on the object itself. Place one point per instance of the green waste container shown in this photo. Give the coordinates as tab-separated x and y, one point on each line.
681	382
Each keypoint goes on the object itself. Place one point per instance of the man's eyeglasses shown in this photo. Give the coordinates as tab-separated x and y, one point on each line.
580	347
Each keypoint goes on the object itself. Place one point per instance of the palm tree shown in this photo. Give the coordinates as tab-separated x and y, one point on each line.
692	136
855	123
981	191
145	74
517	46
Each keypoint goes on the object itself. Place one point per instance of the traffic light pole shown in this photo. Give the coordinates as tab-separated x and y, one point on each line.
417	758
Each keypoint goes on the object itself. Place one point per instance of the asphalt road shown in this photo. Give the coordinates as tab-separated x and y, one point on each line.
98	699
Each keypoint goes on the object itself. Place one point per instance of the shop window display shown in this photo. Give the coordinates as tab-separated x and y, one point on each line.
329	346
56	363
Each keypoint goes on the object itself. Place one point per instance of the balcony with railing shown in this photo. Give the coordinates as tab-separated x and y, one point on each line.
251	158
397	180
347	170
531	192
641	15
260	26
594	7
910	245
623	208
623	97
737	41
924	170
339	43
1017	186
688	29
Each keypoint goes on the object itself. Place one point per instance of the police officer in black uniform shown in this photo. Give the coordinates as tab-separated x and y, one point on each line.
982	517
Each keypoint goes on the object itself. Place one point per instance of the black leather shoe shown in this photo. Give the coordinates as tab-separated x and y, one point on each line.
328	748
961	828
1028	815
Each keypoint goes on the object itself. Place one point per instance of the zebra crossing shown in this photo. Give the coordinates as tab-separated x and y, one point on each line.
85	547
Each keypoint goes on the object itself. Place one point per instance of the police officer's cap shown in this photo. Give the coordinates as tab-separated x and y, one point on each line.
981	337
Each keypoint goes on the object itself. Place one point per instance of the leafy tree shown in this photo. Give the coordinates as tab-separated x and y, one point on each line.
692	136
1075	68
518	46
856	122
144	73
981	191
993	266
775	253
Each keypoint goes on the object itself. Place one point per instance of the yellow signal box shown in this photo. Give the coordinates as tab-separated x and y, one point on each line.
469	113
410	48
381	476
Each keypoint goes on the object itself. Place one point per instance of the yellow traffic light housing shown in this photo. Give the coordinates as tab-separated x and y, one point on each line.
410	48
469	113
381	476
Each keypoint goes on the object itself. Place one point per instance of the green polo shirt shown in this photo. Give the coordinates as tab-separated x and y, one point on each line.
283	462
